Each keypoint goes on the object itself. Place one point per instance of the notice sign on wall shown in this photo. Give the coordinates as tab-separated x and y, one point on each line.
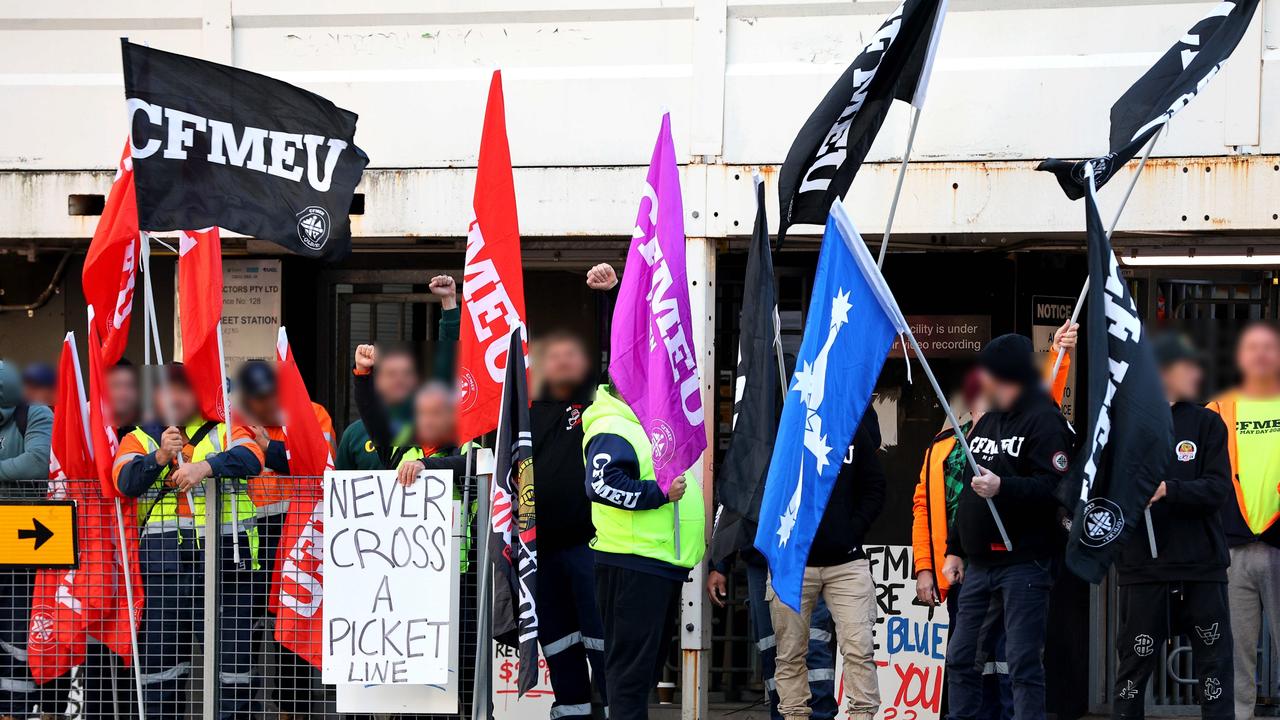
250	309
1047	315
942	336
387	596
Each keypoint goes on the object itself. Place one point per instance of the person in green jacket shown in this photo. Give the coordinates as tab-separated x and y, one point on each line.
645	544
397	382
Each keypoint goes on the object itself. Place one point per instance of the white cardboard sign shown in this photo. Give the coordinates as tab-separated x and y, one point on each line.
388	562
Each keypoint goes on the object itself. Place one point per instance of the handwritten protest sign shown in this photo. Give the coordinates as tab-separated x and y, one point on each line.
911	646
386	578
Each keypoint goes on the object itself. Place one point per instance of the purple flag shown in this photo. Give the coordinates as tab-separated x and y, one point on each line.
654	365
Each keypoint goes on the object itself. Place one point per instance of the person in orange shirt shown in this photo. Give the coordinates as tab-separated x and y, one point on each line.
942	476
169	469
257	391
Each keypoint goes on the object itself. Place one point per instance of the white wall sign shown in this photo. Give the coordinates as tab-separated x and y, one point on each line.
388	573
1047	314
250	309
911	646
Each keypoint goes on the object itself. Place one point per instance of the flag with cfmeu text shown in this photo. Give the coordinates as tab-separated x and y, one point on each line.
111	264
654	364
493	279
850	327
298	587
71	605
200	317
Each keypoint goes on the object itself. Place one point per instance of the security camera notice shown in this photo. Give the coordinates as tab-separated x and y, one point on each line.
386	582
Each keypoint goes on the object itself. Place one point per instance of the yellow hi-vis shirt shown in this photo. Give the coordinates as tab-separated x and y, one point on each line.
1258	453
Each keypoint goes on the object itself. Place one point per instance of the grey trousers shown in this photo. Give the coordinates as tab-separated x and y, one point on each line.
1253	593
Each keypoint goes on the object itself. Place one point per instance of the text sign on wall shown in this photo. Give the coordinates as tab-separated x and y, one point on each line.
942	336
910	641
386	578
1048	313
250	309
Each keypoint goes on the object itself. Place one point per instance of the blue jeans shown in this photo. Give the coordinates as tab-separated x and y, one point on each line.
820	660
1023	590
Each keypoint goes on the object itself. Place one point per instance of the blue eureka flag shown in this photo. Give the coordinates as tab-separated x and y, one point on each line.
852	322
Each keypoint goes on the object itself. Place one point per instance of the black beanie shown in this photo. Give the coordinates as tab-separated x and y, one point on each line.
1009	358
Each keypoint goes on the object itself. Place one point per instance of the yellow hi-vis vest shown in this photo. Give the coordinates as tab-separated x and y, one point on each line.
159	507
648	533
464	545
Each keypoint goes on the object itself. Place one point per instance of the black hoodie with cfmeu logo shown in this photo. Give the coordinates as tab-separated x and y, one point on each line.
1029	448
1190	543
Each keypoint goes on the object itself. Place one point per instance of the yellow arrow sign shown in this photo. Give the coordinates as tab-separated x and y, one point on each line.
38	534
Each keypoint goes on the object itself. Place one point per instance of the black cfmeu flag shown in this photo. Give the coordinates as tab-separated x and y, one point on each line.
755	400
1130	431
214	145
513	544
826	154
1173	82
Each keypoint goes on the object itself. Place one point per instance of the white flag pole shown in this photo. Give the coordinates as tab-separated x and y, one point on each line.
1084	291
226	411
917	104
124	548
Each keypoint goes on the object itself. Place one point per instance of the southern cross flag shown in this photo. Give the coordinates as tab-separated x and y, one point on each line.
513	538
492	278
1130	430
851	325
200	317
829	149
111	265
755	399
654	365
1167	87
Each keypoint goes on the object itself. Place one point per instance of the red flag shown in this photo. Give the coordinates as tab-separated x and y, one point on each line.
69	605
102	425
493	280
111	265
200	316
297	588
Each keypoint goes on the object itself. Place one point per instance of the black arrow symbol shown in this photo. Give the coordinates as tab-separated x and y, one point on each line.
38	532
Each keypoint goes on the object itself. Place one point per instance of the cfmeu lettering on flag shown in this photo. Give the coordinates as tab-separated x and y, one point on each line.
385	559
489	308
273	152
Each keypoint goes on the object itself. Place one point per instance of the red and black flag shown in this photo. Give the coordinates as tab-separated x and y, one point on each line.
513	538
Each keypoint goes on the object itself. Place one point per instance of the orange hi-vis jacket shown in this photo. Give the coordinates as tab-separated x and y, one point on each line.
929	503
269	492
1234	523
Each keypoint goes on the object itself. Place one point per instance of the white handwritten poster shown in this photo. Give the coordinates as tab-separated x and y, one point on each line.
507	703
387	584
911	646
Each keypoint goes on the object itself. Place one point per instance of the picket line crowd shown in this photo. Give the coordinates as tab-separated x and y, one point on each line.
611	568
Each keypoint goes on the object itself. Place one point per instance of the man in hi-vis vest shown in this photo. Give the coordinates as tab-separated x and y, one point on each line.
167	469
640	565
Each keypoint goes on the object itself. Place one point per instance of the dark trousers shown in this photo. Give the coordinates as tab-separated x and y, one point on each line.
821	659
1023	591
172	625
569	628
298	691
997	693
639	612
1149	614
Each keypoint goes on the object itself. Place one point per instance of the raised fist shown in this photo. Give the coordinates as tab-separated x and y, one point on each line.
446	288
366	357
602	277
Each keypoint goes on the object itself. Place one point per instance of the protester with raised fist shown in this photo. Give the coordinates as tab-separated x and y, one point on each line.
1173	576
1022	446
1251	414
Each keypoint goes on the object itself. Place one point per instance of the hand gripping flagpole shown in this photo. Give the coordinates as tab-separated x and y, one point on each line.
1084	291
124	547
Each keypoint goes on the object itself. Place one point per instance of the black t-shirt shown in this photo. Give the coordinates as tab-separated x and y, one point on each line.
563	509
1029	446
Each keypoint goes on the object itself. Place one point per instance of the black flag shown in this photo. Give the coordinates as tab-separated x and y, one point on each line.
1130	431
826	154
214	145
755	400
513	544
1173	82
